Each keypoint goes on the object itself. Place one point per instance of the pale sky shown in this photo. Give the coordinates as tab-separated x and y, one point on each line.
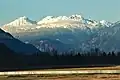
37	9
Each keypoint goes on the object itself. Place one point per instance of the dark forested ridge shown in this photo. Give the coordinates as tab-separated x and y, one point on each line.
9	60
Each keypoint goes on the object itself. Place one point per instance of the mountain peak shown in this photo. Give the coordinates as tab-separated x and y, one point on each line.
23	18
105	23
21	21
76	16
56	19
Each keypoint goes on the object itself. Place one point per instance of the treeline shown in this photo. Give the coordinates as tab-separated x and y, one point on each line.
9	60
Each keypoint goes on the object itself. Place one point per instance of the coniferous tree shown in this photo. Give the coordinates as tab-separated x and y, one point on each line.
109	54
113	54
104	54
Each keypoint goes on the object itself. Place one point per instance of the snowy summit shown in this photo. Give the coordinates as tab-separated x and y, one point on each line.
22	21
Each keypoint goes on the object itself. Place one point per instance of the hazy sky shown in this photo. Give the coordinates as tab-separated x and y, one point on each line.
37	9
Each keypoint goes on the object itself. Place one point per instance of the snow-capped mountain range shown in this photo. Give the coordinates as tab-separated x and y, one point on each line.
72	32
73	21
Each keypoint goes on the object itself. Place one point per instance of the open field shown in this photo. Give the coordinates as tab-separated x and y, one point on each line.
91	73
64	77
89	70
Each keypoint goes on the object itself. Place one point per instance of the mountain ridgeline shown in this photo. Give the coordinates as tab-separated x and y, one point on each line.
15	44
66	33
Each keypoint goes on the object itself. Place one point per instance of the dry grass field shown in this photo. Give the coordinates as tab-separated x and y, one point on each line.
64	77
68	76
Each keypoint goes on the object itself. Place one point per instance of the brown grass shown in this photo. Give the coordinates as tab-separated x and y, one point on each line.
69	77
64	77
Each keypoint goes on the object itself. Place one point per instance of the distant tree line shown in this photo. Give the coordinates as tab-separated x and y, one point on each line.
9	60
